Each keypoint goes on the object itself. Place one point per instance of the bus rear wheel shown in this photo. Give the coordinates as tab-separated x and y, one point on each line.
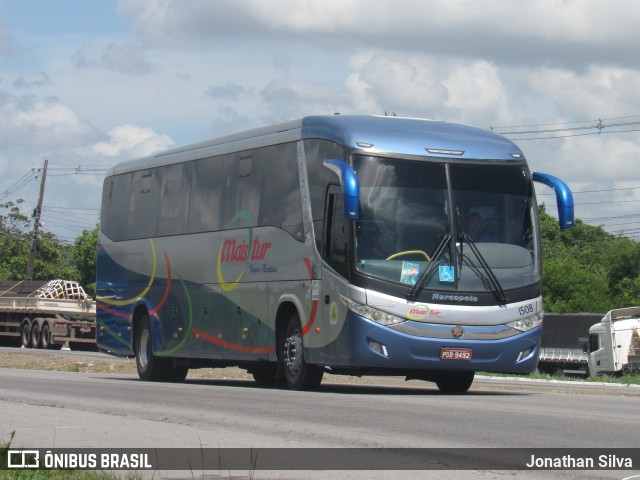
455	382
152	368
299	374
149	366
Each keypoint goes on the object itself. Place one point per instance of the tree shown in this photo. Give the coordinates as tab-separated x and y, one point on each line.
586	269
84	255
54	257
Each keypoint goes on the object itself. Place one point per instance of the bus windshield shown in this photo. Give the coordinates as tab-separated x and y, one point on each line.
480	216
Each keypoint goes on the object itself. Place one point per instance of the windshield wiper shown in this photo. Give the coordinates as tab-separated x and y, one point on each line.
493	280
432	265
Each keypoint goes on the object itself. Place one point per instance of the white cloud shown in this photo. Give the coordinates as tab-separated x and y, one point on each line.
130	141
597	92
197	69
126	58
32	123
428	86
535	32
288	98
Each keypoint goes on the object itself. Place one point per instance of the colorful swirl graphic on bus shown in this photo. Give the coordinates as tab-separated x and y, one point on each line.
102	302
314	304
129	301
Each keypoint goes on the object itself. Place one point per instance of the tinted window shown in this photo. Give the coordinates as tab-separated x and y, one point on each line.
144	205
207	191
320	177
173	205
242	195
116	195
336	241
281	204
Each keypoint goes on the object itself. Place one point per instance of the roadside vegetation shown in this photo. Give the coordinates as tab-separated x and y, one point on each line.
586	269
41	474
55	259
626	379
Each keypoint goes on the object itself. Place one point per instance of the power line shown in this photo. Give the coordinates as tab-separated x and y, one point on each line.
565	123
595	191
27	178
598	125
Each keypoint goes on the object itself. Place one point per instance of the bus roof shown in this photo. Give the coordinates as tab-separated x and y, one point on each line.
368	134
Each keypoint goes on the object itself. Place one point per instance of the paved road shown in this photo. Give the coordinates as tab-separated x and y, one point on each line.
59	409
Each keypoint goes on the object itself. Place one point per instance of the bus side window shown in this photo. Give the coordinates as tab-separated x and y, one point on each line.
207	193
280	202
144	205
116	198
319	179
336	232
173	205
243	188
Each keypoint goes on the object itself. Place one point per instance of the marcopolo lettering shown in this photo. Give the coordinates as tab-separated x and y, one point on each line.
454	298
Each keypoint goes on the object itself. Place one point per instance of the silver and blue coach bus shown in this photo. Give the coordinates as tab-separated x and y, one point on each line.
356	245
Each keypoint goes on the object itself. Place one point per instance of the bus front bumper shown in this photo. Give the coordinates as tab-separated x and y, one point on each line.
377	346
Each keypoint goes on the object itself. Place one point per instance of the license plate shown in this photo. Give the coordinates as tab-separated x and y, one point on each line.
455	353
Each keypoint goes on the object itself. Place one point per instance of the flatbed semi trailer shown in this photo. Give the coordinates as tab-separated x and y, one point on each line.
562	348
36	314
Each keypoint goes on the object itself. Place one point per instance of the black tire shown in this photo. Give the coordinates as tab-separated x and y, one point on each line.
176	374
298	374
45	337
152	368
36	338
25	337
264	374
83	347
455	382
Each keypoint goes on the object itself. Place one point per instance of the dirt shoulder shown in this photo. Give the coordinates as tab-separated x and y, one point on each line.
90	362
98	363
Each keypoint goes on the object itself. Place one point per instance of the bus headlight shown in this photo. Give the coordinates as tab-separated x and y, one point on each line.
372	314
527	323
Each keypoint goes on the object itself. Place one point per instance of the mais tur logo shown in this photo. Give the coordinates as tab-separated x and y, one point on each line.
238	252
417	312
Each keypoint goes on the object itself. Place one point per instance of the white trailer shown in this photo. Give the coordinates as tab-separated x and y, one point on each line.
614	343
47	315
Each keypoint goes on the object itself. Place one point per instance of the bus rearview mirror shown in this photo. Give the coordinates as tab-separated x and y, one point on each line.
350	187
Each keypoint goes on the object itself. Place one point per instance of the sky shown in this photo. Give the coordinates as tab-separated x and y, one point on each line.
88	84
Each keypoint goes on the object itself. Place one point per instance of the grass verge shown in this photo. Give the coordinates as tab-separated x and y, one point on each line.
42	474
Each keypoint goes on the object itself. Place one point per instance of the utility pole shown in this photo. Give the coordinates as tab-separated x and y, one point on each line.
35	241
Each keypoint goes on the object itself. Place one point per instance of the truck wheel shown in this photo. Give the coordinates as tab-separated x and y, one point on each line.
298	373
455	382
26	333
45	337
36	338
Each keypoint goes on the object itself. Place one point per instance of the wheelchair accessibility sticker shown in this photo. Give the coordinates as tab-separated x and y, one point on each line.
446	273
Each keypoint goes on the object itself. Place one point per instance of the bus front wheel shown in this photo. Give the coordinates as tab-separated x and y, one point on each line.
298	373
455	382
